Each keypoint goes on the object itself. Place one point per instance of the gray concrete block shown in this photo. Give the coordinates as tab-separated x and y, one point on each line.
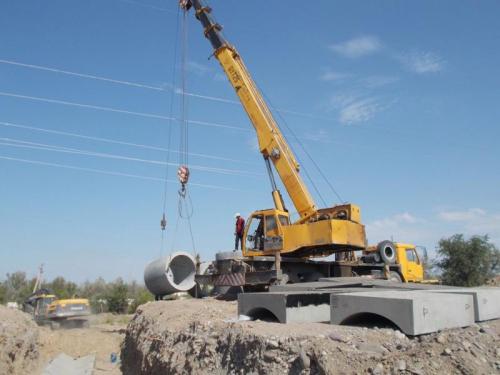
316	285
413	312
286	307
64	364
486	301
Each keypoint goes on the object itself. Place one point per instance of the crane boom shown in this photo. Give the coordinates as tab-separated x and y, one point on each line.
272	144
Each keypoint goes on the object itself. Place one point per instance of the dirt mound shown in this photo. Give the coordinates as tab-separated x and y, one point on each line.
202	336
18	342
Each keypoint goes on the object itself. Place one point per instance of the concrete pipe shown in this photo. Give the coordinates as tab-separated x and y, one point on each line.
171	274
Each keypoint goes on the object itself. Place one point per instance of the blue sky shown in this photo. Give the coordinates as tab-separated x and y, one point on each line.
397	102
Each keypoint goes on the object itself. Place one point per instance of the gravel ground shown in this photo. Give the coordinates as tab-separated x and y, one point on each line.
202	336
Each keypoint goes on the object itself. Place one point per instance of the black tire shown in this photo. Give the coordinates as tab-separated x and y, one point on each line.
387	252
395	277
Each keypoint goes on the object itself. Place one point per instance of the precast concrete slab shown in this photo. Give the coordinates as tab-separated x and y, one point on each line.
286	307
381	283
413	312
64	364
312	286
486	301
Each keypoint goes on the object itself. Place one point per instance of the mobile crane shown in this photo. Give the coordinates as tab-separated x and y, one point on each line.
270	233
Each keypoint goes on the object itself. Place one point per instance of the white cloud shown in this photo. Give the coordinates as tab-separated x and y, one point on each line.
467	215
403	227
197	68
253	144
372	82
422	62
474	221
319	135
330	76
357	47
220	77
406	227
355	109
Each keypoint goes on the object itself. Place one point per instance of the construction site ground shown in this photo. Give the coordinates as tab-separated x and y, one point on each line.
26	348
206	337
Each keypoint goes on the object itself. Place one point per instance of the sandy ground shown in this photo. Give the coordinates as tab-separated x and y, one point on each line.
18	342
103	337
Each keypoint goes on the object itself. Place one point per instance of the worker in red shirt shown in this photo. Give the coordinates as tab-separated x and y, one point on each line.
238	231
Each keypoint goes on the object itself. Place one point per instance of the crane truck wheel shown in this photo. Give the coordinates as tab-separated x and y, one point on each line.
387	251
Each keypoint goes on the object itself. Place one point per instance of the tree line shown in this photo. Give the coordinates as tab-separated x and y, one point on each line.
116	296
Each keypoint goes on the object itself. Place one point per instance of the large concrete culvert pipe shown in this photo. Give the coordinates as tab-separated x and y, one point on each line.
170	274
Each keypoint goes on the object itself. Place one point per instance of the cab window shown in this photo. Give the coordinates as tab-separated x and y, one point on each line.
255	234
271	226
411	256
283	220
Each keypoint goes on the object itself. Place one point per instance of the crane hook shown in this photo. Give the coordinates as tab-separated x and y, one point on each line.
163	222
185	4
183	176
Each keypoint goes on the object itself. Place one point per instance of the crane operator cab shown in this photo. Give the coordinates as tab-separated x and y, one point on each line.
264	232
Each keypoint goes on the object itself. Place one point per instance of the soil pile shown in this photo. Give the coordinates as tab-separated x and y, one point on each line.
203	336
18	342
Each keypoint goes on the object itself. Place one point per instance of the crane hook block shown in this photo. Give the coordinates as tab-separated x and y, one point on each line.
163	222
183	174
185	4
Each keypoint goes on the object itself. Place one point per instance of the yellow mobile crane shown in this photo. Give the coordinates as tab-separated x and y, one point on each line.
270	233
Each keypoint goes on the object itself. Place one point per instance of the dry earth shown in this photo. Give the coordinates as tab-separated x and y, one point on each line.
26	348
104	337
18	342
202	337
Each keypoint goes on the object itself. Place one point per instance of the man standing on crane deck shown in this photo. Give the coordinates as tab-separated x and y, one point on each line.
238	232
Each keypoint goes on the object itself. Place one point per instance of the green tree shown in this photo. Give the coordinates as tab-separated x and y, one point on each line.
140	296
96	292
117	297
467	262
3	293
17	287
61	288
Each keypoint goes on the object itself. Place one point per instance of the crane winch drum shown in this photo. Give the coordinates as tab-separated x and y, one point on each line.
171	274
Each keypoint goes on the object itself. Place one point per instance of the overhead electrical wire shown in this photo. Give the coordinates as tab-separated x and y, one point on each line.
47	147
172	87
107	172
101	108
115	141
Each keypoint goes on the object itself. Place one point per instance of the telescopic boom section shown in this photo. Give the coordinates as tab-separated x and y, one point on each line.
271	141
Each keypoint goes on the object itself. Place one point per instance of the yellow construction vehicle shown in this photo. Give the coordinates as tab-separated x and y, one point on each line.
47	309
270	234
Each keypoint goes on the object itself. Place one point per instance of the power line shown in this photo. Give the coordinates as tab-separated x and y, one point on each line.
100	108
149	87
114	141
147	5
107	172
55	148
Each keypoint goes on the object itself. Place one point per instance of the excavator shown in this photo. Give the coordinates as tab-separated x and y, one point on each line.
276	249
47	309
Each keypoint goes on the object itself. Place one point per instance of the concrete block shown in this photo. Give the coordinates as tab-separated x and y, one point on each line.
486	301
413	312
312	286
64	364
286	307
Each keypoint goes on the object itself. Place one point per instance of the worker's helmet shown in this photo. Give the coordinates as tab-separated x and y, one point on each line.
237	214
